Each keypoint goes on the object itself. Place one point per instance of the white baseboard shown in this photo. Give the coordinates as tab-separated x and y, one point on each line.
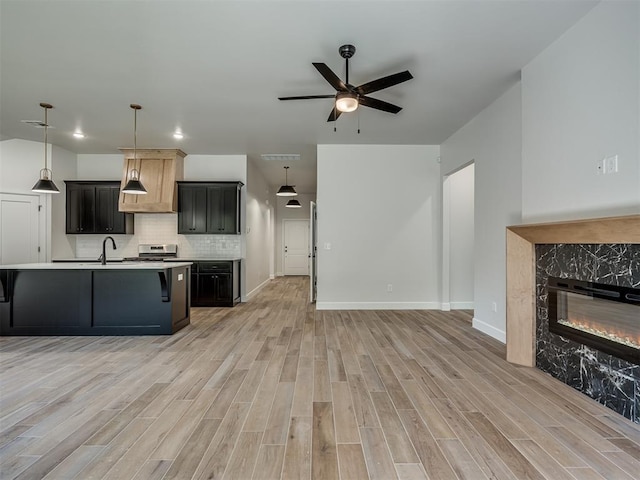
462	305
377	306
489	330
279	274
272	276
253	292
446	306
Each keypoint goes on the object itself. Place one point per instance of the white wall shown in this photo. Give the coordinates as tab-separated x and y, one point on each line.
580	103
20	164
100	167
379	207
259	231
492	140
460	191
64	165
284	213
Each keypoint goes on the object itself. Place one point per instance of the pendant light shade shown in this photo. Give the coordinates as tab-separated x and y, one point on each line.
45	183
134	186
286	190
293	203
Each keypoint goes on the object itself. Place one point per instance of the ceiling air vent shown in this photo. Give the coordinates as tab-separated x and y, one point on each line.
288	157
36	123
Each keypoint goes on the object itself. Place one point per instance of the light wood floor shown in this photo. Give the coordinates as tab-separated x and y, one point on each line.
273	389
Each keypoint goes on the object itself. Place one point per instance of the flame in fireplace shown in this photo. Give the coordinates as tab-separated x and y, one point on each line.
593	327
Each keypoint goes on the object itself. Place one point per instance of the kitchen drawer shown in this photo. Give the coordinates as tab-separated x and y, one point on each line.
217	267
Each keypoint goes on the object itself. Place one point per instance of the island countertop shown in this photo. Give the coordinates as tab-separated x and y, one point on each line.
96	266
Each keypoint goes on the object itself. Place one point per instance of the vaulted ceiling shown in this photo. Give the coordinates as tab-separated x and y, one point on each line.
214	69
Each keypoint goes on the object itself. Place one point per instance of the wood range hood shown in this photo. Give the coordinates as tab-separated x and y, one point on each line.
159	170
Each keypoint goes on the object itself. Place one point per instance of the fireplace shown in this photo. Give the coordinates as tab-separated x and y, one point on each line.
605	317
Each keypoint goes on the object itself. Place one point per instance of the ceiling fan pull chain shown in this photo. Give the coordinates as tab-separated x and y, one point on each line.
358	122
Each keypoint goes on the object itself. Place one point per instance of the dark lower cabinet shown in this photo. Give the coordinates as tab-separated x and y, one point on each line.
215	284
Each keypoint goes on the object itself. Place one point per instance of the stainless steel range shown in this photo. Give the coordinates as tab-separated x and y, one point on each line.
154	252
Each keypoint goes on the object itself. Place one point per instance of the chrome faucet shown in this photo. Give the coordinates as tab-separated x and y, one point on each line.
103	257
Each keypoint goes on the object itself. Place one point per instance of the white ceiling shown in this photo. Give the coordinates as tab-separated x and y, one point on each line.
215	70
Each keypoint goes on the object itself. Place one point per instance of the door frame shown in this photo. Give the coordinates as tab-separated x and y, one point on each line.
313	251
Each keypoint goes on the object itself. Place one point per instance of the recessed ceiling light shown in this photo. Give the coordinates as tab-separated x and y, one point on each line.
281	156
178	135
78	134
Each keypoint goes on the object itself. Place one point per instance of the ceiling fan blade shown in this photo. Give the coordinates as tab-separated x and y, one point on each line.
333	116
330	77
306	97
379	104
384	82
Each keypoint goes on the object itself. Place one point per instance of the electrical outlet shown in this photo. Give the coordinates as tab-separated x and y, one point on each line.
611	164
494	306
389	287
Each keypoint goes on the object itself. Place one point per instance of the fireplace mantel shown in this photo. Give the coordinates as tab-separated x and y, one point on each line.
521	272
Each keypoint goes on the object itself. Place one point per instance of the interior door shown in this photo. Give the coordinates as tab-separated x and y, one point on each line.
313	241
19	229
296	247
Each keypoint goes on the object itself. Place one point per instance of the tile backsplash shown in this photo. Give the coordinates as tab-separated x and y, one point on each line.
161	228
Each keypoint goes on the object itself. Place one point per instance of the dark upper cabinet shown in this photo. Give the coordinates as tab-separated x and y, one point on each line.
209	207
92	207
192	209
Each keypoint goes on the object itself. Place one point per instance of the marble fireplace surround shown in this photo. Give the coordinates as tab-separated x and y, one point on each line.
521	270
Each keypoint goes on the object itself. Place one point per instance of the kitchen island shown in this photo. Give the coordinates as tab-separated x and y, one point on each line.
125	298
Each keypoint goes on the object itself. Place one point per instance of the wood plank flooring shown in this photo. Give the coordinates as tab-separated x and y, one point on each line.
273	389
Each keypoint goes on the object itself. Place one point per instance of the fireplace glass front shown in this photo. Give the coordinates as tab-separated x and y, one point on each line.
605	317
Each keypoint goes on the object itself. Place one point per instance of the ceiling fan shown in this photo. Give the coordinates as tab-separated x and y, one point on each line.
348	97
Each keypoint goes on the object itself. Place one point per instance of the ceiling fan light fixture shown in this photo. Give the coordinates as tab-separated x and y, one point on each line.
346	101
45	183
293	203
286	190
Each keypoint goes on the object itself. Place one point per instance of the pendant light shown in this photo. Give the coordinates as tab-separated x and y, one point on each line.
286	190
133	186
293	203
45	183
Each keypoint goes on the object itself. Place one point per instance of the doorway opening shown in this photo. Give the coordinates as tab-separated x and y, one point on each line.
458	239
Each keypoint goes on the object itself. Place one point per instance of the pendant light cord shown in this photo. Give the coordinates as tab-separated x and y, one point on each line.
46	128
135	134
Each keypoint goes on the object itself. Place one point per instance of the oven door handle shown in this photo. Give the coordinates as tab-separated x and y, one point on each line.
599	291
632	297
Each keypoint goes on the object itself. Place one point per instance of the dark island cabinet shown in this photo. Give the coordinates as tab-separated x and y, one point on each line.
209	207
92	207
215	284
